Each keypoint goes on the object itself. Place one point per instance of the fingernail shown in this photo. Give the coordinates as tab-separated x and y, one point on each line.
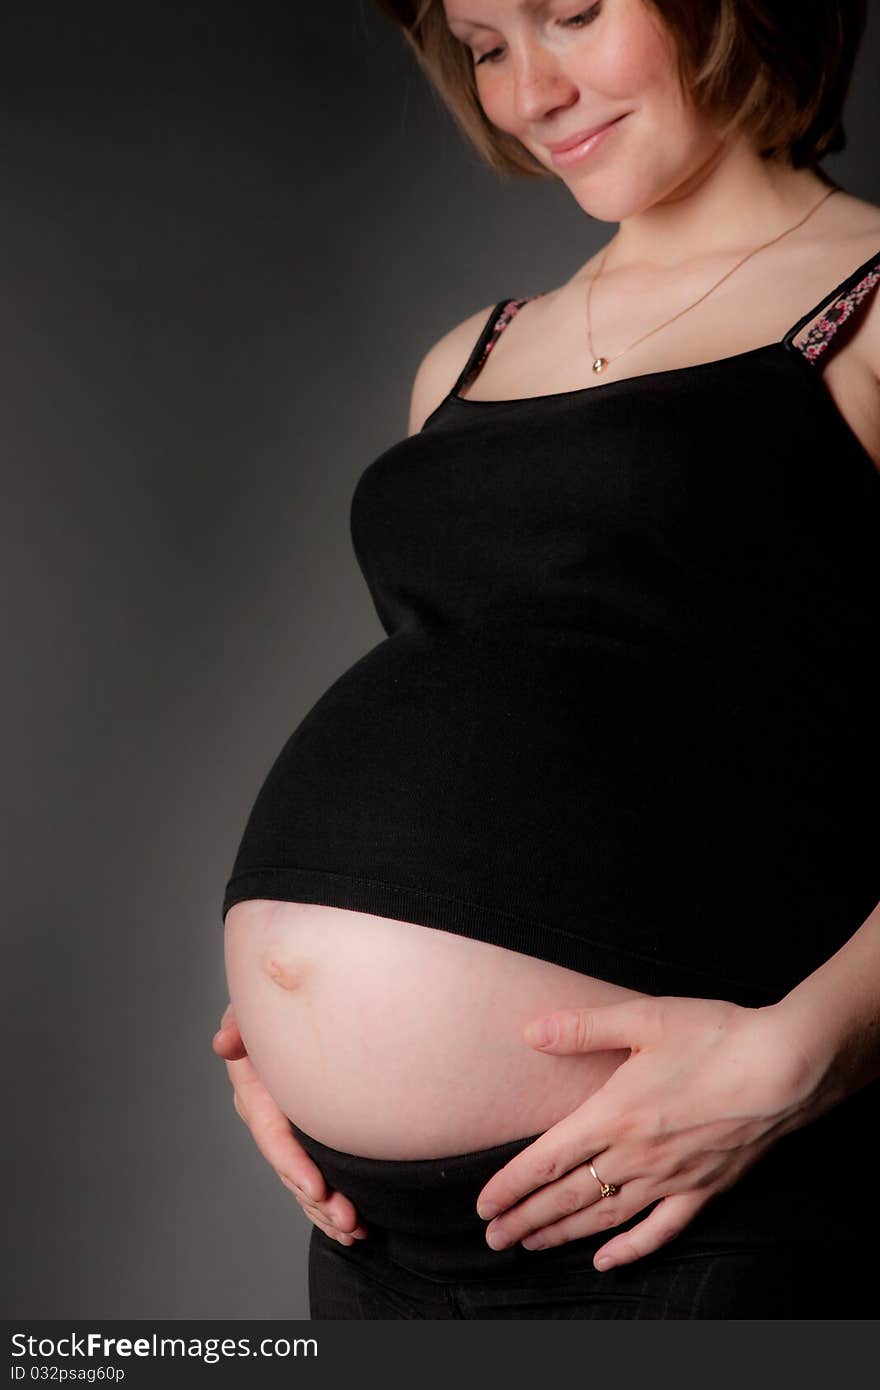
546	1031
487	1210
533	1243
604	1262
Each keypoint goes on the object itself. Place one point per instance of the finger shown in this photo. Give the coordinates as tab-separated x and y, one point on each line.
662	1224
231	1049
553	1154
326	1225
336	1208
271	1132
337	1214
338	1236
604	1027
569	1208
228	1043
604	1214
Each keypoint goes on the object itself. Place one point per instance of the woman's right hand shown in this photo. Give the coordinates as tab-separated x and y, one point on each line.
271	1132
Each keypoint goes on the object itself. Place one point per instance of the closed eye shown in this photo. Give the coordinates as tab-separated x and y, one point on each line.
576	21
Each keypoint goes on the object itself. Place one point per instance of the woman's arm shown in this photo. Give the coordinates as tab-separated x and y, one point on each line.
833	1017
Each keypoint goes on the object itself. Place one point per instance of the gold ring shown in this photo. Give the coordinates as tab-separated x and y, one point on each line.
608	1188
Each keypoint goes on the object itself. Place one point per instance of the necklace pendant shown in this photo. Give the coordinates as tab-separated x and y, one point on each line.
600	364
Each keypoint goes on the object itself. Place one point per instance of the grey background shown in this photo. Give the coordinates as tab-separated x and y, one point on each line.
228	236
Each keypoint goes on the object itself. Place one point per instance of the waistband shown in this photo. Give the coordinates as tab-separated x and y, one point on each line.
421	1196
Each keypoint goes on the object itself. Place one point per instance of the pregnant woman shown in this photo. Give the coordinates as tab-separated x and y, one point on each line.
614	760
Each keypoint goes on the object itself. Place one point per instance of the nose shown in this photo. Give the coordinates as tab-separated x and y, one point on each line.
539	84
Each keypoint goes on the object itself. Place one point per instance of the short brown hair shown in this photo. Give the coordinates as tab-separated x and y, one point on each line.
778	72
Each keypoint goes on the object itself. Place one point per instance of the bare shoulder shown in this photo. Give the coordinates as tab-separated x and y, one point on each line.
857	229
857	214
439	368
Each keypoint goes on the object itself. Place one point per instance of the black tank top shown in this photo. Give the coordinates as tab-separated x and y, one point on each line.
624	717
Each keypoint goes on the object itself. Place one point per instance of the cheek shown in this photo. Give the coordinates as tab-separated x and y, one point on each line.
496	100
637	63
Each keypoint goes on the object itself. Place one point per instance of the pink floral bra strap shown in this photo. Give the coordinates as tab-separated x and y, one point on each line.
849	296
509	312
501	315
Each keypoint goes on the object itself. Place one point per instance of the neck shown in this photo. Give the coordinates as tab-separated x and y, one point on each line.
732	203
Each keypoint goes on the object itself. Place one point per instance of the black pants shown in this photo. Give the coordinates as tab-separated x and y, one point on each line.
784	1242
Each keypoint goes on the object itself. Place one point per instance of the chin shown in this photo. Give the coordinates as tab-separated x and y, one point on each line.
606	201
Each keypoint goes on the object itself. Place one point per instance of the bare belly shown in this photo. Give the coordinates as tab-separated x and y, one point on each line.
392	1040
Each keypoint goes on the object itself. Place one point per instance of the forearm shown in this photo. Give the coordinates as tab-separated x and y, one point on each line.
833	1016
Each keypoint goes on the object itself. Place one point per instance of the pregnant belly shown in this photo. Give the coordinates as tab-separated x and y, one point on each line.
393	1040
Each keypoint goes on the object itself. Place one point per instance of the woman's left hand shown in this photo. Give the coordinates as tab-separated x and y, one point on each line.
707	1088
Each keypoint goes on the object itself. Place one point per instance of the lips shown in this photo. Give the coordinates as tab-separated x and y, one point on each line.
569	144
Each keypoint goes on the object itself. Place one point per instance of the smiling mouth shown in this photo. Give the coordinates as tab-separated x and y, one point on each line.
583	147
584	135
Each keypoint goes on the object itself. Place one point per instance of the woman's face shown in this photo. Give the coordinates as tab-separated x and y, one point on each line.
549	70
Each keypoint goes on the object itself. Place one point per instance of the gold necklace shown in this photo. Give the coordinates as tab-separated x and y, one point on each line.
600	363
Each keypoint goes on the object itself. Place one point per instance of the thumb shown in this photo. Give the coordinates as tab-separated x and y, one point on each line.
605	1027
227	1042
229	1045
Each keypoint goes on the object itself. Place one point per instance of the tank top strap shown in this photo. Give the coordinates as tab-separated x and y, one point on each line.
499	317
845	301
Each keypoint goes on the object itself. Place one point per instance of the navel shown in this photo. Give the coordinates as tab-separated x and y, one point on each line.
285	975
